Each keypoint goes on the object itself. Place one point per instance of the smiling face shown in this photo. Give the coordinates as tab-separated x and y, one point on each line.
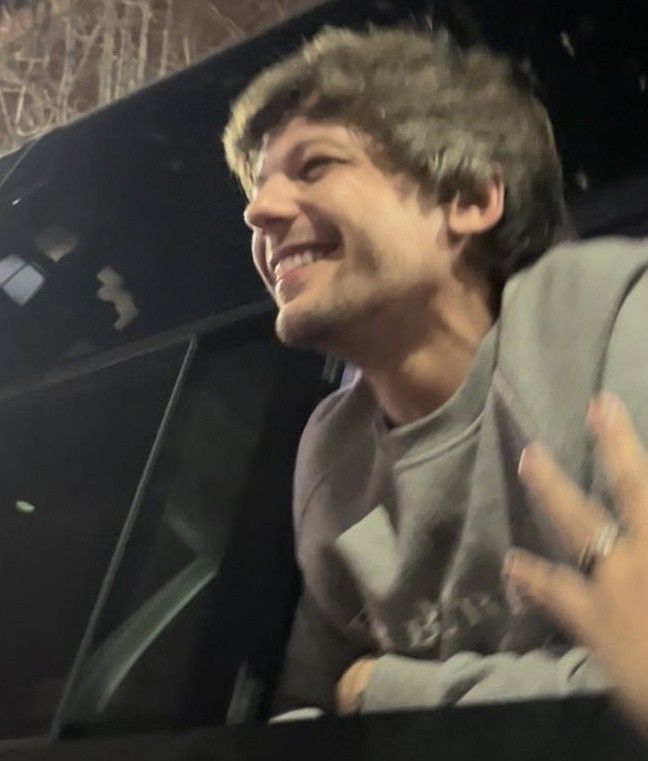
338	240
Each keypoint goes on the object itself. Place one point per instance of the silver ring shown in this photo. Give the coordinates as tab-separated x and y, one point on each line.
599	548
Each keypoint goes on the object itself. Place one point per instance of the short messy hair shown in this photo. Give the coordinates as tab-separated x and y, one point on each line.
448	118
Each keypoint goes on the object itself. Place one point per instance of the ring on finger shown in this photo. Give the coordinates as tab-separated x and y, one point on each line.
598	548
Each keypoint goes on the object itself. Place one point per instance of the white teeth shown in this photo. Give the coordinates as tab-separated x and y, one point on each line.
293	261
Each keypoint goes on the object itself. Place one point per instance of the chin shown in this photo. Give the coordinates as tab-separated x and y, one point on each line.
306	330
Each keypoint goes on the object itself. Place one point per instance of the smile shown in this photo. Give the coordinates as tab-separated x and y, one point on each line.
292	262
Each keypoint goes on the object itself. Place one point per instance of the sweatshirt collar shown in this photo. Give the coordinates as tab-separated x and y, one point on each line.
441	429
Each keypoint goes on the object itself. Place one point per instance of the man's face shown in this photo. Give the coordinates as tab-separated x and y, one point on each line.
336	239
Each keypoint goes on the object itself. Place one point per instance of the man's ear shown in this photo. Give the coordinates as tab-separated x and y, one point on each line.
478	212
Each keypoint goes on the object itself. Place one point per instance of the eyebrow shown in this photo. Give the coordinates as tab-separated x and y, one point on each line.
259	179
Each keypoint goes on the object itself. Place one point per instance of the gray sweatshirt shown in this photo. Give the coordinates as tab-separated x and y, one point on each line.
400	533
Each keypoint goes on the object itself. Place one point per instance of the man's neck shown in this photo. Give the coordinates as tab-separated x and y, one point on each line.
412	383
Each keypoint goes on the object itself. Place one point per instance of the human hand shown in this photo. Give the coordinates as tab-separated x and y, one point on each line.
349	689
607	610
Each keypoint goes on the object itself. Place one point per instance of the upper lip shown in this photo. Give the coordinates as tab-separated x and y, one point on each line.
295	248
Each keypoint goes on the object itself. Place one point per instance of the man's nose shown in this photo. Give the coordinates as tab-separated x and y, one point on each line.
273	204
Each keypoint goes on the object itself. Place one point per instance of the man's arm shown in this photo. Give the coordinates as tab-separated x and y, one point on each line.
400	682
323	669
316	656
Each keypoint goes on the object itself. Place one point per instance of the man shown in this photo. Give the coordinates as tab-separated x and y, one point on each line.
395	185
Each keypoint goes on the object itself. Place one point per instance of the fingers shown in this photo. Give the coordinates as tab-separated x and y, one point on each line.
576	518
349	689
623	457
560	591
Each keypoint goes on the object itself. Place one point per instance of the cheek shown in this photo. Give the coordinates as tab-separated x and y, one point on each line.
366	206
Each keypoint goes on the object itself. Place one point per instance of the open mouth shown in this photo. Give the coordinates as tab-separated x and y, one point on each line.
288	264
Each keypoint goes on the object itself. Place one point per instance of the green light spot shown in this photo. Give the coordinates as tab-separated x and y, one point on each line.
24	507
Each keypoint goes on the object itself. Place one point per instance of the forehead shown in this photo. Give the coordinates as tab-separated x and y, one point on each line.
280	145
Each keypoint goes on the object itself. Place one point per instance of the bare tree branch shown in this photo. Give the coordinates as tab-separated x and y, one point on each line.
5	114
166	31
23	91
66	73
63	58
142	54
107	58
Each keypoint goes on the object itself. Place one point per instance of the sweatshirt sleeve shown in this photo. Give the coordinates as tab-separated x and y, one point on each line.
399	682
316	656
625	369
318	652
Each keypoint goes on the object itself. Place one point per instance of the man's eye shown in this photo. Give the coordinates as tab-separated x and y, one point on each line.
314	168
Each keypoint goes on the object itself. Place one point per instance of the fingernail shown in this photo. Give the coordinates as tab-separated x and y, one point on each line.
515	598
521	461
528	455
507	565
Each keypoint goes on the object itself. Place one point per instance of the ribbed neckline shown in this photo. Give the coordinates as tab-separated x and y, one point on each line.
440	429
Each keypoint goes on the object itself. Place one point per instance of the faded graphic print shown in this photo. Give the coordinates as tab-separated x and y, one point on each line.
423	603
472	622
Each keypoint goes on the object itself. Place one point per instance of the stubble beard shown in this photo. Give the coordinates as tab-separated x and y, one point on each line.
324	326
317	328
341	327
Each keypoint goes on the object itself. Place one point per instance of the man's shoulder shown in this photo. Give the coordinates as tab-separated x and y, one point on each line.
338	429
578	283
575	266
333	407
555	326
338	421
